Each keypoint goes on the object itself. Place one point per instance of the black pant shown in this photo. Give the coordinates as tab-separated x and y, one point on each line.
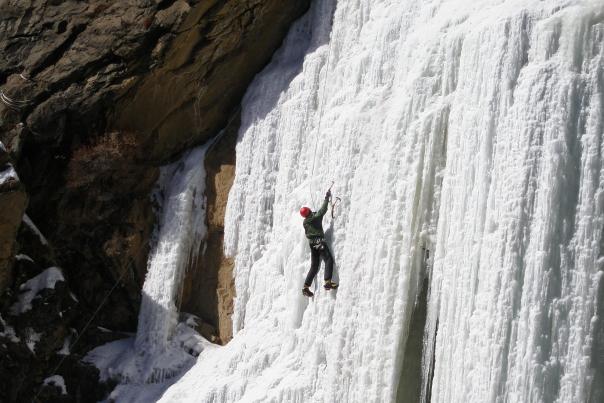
324	253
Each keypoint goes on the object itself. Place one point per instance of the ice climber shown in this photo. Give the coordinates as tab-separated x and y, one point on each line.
313	226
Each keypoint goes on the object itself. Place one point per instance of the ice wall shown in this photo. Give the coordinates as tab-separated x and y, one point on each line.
516	269
181	228
472	129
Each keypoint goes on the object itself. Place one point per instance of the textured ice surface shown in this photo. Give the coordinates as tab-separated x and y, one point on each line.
178	241
181	229
472	128
139	374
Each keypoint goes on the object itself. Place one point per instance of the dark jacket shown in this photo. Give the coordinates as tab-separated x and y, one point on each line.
313	224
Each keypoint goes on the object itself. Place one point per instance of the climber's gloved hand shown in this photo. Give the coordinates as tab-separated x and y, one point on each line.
328	195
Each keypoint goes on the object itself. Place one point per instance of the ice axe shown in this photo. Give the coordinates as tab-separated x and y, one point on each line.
333	205
330	186
335	202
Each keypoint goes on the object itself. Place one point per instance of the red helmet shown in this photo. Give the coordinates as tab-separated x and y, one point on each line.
304	212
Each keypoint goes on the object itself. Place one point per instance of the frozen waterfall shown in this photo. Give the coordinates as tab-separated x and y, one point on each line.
470	129
178	241
165	342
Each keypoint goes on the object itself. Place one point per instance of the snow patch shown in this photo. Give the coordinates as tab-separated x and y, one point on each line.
65	349
35	229
30	289
120	361
32	338
21	256
8	174
56	380
8	332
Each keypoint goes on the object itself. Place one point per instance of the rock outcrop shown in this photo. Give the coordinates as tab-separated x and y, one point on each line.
217	51
209	286
38	322
66	64
13	201
95	96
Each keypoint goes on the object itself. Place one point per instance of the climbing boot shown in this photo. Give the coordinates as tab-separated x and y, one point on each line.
307	292
330	285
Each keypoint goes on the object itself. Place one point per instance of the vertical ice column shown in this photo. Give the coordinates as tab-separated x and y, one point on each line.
515	280
178	241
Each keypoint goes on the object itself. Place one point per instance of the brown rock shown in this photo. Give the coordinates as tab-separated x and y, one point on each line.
106	215
218	50
12	206
13	201
207	331
209	287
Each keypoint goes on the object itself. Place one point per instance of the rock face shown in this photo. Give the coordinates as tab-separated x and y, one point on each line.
13	201
66	63
209	286
217	51
94	97
40	315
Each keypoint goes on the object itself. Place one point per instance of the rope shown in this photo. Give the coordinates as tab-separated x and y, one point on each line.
25	77
16	104
12	103
85	328
321	111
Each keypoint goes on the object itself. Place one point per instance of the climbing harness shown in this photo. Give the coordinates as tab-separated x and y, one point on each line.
317	243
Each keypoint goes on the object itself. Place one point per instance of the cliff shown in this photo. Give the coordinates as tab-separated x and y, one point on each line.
95	97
